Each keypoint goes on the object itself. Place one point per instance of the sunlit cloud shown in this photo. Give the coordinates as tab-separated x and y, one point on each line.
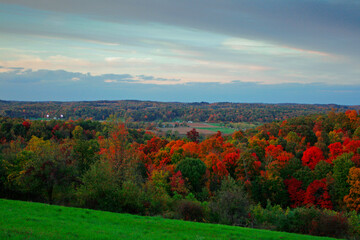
310	52
110	81
264	48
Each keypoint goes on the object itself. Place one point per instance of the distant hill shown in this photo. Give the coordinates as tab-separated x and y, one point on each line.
149	111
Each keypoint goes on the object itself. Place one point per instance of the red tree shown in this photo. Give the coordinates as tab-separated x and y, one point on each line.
193	135
312	156
296	194
177	184
26	124
336	149
317	194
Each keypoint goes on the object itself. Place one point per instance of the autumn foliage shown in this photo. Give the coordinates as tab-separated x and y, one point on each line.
312	156
301	163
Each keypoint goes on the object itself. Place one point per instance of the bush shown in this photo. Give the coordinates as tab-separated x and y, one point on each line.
157	201
100	189
330	225
305	221
190	211
132	198
299	220
317	222
230	205
271	217
354	224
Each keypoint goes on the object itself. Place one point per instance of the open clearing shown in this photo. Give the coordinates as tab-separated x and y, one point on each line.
202	128
184	130
26	220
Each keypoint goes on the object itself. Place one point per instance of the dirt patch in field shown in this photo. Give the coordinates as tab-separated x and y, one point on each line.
184	130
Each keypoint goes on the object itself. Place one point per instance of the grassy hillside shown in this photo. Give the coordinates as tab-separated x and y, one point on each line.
25	220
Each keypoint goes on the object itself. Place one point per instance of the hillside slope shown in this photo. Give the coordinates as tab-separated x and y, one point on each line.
26	220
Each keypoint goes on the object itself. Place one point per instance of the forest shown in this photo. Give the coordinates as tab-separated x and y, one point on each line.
150	111
298	175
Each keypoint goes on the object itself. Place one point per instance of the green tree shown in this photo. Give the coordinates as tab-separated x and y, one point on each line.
85	154
100	188
47	169
272	189
322	169
193	171
231	204
341	187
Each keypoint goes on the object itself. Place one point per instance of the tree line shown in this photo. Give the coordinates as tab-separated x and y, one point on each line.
298	175
147	111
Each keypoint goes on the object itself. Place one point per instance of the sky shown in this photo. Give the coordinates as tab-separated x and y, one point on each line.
274	51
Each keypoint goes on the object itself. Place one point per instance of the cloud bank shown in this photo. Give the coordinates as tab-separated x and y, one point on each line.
44	85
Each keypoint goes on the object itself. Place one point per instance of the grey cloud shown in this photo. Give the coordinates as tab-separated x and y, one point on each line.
331	26
168	79
143	77
28	76
48	77
149	78
16	68
93	88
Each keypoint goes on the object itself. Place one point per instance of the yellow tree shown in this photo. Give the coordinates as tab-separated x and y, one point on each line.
113	148
46	168
352	200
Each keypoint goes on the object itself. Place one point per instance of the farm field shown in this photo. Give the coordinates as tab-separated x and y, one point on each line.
242	125
27	220
209	128
184	130
221	129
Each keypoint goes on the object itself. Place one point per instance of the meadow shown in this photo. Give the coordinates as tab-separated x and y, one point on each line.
28	220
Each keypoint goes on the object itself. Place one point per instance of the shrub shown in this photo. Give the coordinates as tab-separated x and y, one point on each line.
330	225
317	222
132	198
299	220
271	217
305	221
354	224
100	189
190	210
230	205
157	201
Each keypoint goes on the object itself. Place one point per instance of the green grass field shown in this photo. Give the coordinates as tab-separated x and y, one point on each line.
26	220
222	130
240	125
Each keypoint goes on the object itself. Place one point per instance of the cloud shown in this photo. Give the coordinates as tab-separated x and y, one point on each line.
110	81
264	48
48	77
51	62
155	80
143	77
316	25
58	85
179	42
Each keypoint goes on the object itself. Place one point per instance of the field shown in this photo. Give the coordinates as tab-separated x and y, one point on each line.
241	125
209	128
216	129
26	220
